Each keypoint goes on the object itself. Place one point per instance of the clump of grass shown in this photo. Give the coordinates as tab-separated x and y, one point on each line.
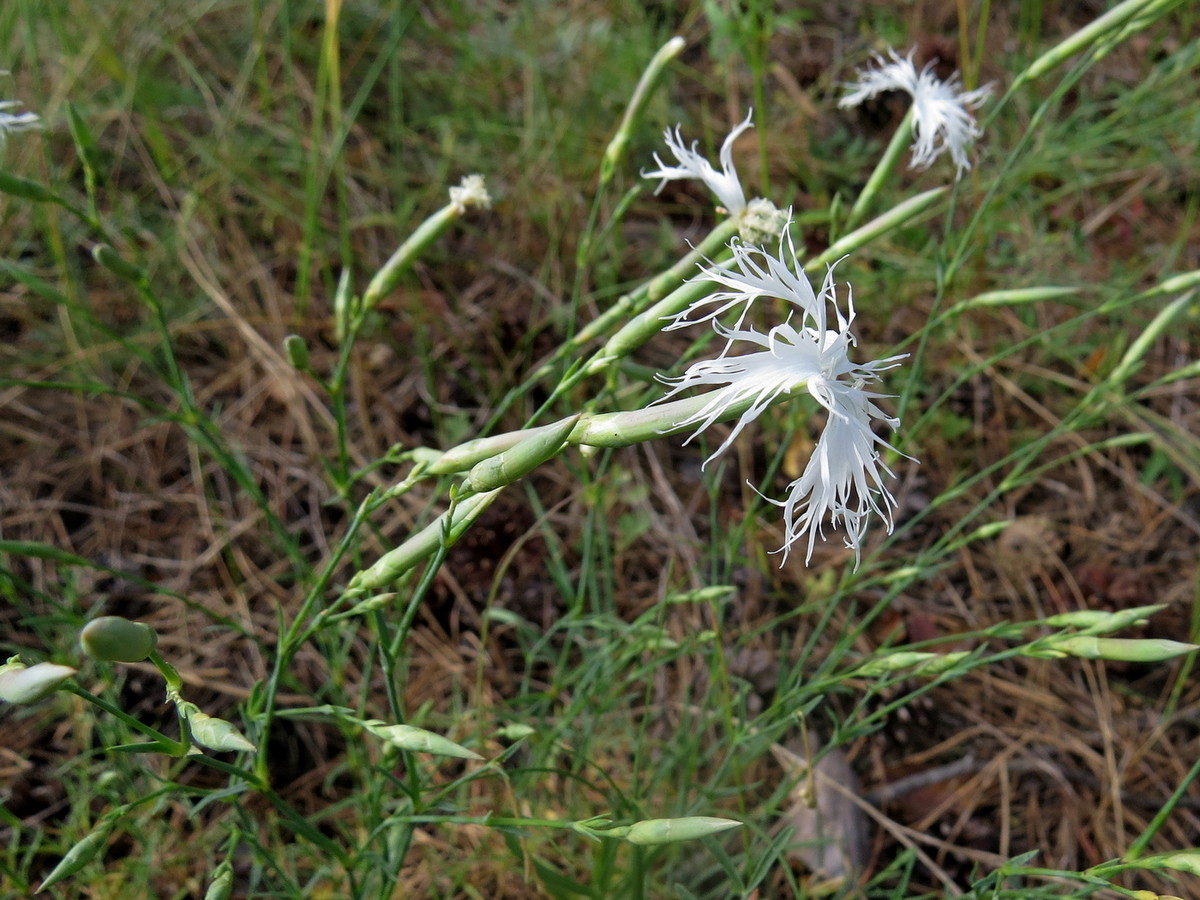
405	672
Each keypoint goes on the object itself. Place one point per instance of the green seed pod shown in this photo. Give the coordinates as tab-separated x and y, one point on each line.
20	683
80	855
668	831
409	737
115	639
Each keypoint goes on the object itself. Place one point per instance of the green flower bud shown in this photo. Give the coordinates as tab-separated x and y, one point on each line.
117	264
1122	649
1179	860
922	663
516	731
20	683
221	886
114	639
213	733
668	831
297	352
1096	621
518	461
409	737
80	855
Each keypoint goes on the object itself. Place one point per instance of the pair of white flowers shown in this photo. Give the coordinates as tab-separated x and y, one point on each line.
844	480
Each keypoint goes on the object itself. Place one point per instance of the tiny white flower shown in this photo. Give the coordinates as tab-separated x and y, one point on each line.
942	117
844	479
724	184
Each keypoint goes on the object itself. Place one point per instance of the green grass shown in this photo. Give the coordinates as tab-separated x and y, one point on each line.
612	635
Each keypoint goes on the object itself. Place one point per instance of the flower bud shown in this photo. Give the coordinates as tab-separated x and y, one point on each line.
213	733
921	662
297	352
221	886
1122	649
1097	621
81	854
1180	860
409	737
521	459
20	683
668	831
114	639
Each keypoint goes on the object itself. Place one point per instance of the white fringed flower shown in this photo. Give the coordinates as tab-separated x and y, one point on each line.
724	184
10	122
757	274
844	479
942	117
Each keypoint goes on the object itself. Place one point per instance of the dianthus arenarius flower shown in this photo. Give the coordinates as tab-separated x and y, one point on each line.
10	122
942	117
723	184
844	479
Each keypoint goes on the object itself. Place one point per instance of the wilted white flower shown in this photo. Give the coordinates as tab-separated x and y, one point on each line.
844	479
20	683
14	121
471	192
942	117
724	184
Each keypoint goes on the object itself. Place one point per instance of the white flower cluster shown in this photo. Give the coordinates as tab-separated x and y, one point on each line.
942	117
844	479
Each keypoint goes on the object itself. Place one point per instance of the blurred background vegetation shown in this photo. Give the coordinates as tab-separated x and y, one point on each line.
245	155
